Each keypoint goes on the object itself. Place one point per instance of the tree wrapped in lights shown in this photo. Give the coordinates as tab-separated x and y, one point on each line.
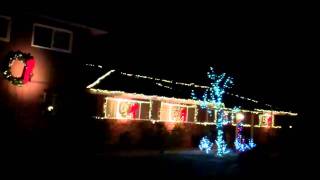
240	142
205	144
214	95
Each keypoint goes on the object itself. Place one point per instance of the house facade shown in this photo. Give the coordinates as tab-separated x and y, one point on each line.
132	105
58	48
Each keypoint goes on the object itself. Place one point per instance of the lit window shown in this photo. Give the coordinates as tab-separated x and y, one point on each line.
266	120
116	108
176	112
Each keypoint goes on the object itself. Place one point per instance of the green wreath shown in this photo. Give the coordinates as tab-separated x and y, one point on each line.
7	63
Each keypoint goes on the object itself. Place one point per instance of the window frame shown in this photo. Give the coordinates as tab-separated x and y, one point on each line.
117	107
54	29
171	110
8	36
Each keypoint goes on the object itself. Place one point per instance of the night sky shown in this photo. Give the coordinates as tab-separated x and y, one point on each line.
258	49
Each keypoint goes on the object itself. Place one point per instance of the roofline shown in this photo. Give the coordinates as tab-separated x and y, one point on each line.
100	91
182	84
143	96
96	82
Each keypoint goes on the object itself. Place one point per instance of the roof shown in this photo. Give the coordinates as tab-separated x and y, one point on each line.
118	81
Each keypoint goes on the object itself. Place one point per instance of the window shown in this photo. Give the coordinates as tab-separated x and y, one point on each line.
116	108
48	37
177	112
5	28
266	120
204	115
42	36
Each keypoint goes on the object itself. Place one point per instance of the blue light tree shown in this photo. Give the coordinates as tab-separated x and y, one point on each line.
205	145
214	95
240	142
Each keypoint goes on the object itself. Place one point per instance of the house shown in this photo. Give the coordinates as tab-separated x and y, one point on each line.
125	97
58	47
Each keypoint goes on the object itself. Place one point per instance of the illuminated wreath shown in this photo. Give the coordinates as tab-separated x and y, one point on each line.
28	62
124	108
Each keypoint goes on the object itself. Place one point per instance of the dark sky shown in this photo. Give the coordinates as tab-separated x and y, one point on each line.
263	48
